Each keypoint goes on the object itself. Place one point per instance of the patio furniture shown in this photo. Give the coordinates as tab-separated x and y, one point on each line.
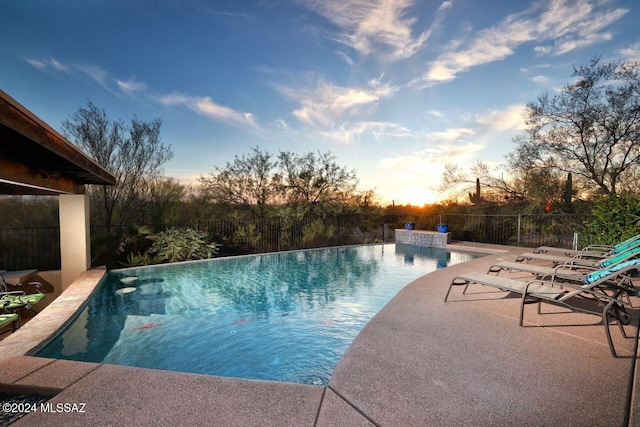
616	276
592	251
7	318
579	260
587	298
12	301
19	278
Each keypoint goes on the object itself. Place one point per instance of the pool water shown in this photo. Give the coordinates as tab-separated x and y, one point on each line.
285	316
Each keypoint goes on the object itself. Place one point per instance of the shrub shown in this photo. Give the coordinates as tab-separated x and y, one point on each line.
317	233
616	219
182	244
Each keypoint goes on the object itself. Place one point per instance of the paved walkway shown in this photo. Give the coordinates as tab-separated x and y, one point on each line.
418	362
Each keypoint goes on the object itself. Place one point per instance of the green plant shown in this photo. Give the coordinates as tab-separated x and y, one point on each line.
616	219
138	259
476	198
247	235
316	232
182	244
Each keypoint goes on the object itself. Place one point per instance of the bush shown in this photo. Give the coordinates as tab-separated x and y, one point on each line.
616	219
317	233
182	244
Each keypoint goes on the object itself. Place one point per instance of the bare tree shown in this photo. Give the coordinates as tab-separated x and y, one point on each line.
247	181
164	199
133	153
590	129
314	182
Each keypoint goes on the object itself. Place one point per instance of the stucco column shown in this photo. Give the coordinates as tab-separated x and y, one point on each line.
75	244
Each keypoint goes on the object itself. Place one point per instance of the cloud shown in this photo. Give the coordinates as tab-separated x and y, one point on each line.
93	71
226	13
350	132
48	63
510	118
96	72
130	86
631	52
206	107
375	26
201	105
449	136
413	178
567	24
540	80
327	104
441	147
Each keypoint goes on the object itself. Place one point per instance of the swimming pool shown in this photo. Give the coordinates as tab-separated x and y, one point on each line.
285	316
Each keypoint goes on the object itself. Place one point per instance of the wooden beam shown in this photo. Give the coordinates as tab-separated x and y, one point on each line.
23	121
14	174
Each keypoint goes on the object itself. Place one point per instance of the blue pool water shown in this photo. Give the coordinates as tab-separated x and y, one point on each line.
286	316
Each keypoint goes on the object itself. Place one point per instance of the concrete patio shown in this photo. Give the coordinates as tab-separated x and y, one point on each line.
418	362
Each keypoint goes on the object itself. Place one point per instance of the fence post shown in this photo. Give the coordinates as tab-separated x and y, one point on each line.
519	227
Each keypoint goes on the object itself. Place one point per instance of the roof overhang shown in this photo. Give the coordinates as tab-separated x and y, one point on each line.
35	159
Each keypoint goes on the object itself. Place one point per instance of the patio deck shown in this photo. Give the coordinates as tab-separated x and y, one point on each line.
419	361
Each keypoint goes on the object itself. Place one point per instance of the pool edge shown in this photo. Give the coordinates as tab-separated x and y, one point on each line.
53	318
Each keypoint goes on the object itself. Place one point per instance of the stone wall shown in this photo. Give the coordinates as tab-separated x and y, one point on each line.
422	238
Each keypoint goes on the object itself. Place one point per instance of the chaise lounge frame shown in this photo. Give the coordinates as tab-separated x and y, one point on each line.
537	291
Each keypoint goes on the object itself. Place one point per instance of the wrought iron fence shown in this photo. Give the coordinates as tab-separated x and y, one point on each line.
520	230
26	248
282	234
40	247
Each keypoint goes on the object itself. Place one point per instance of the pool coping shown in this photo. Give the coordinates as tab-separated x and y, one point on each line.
367	388
54	317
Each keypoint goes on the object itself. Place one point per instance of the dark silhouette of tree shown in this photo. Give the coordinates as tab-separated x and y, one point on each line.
314	183
591	129
246	182
133	153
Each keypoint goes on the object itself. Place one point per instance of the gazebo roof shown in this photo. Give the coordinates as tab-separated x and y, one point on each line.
35	159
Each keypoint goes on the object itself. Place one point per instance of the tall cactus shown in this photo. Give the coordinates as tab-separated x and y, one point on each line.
568	193
476	198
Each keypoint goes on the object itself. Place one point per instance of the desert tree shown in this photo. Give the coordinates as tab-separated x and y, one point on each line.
314	183
590	129
247	181
132	152
165	201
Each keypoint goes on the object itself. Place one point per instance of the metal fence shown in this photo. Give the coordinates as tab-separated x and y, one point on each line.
40	247
564	231
26	248
282	234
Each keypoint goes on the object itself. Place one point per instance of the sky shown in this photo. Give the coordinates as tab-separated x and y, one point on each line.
396	89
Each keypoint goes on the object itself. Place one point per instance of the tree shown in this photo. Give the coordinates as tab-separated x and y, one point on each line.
247	182
314	182
591	129
165	199
133	154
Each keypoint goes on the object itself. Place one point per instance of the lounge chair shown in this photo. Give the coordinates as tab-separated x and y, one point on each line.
618	272
7	318
577	260
567	294
20	279
592	251
616	276
12	301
